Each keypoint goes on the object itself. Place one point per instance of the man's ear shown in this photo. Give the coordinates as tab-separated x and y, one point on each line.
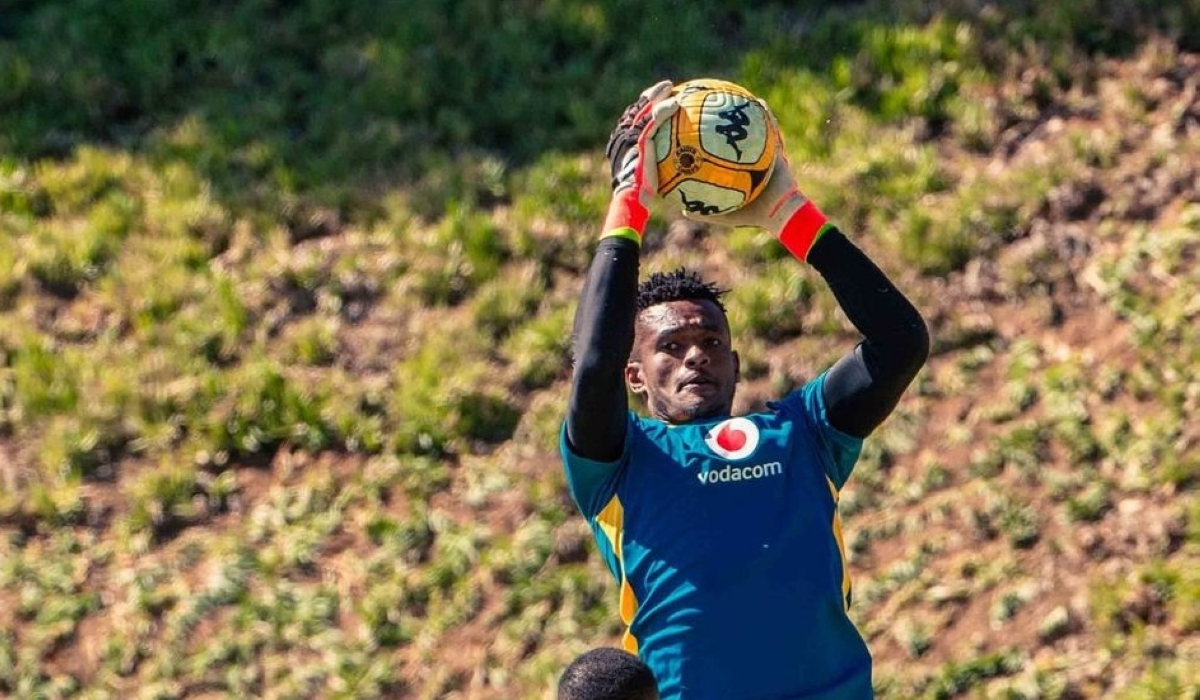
737	368
634	379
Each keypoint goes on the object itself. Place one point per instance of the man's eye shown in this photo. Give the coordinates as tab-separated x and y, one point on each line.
713	342
670	346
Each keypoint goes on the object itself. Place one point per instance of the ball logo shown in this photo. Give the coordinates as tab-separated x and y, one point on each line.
733	127
736	438
687	159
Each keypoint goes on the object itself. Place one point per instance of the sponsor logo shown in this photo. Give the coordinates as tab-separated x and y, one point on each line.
732	473
733	439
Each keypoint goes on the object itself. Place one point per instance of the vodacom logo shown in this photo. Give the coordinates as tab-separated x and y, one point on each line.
733	439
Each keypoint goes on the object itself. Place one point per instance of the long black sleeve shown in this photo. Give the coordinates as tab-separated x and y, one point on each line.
598	410
863	387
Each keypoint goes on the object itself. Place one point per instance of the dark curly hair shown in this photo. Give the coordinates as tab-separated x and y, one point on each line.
678	285
607	673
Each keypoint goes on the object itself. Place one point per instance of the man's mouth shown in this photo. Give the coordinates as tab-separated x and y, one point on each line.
696	381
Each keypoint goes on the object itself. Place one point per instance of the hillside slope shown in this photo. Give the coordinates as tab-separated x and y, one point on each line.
1025	525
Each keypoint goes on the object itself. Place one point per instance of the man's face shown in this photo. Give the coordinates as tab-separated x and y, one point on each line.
682	362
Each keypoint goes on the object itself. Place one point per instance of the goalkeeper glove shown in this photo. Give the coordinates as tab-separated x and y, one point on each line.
630	153
781	209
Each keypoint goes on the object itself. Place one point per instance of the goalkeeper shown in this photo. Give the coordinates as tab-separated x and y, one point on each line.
723	532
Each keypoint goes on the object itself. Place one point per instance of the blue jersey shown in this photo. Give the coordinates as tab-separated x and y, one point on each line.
725	538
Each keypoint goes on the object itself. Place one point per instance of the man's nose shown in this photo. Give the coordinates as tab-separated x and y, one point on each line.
695	357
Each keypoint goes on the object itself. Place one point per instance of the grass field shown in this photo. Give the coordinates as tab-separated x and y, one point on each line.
285	291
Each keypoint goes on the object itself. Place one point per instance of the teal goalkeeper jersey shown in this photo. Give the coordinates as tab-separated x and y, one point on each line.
725	539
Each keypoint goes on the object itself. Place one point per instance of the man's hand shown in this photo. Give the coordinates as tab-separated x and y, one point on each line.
772	207
630	153
780	208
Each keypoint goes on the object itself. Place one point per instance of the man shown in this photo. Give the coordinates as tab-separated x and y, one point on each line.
723	531
606	673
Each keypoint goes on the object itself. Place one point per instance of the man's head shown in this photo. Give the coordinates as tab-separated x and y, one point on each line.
682	362
607	673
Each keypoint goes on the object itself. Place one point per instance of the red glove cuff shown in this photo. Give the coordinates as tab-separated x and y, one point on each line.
626	214
803	229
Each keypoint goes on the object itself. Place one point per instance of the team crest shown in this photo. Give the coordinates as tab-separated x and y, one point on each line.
733	439
687	159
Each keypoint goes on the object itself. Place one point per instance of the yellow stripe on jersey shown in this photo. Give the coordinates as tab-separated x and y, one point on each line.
612	523
841	542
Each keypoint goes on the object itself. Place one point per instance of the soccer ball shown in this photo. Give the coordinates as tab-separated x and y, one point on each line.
716	153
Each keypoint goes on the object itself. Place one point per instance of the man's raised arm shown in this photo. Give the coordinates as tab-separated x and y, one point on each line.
862	388
602	336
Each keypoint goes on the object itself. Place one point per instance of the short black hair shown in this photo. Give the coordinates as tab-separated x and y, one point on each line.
678	285
607	673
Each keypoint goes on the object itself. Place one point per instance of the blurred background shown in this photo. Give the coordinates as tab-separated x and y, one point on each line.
286	289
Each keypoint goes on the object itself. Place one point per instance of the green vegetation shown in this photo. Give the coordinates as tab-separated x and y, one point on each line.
286	293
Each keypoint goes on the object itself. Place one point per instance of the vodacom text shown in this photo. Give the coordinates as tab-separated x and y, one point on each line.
732	473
